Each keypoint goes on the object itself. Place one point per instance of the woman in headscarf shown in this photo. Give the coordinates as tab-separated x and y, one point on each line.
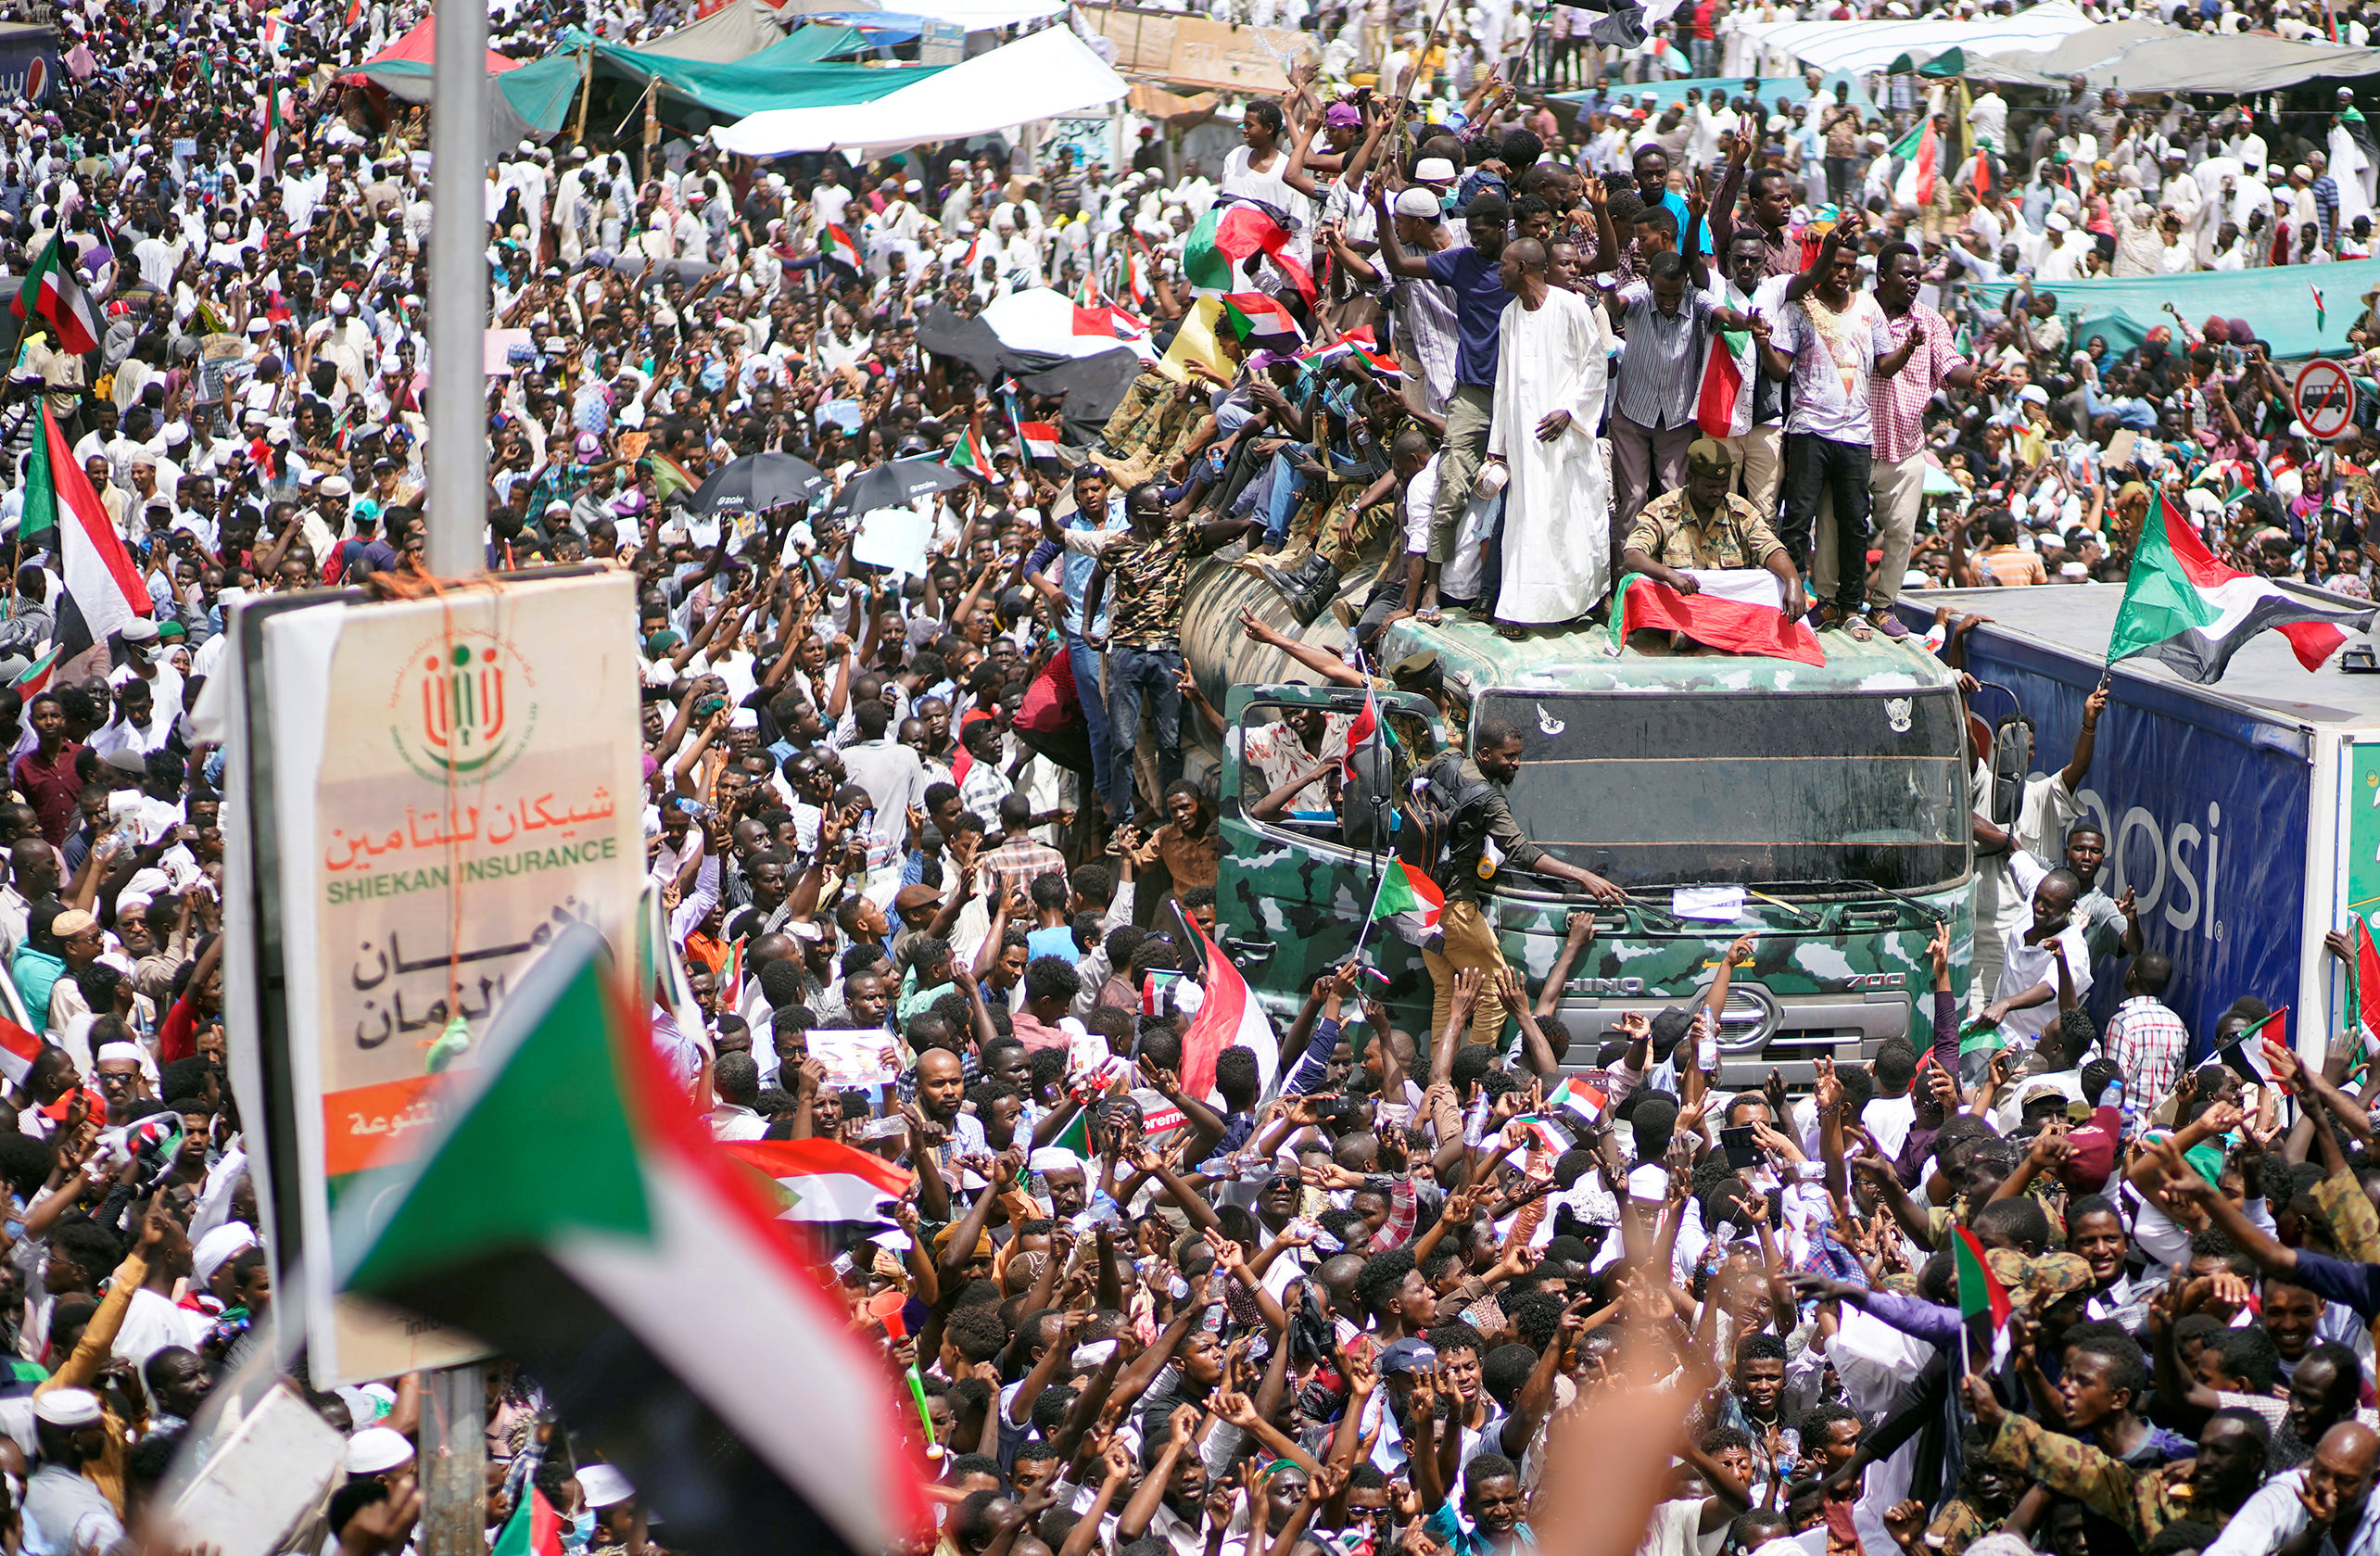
2138	245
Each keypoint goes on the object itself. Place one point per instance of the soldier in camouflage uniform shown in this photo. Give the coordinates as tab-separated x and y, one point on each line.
1152	419
2210	1488
2353	1227
1343	517
1987	1494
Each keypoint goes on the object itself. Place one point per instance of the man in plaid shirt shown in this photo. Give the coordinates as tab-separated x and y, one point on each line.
207	174
1019	860
2144	1037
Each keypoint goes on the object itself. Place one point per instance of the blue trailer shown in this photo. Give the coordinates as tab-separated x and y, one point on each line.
2244	813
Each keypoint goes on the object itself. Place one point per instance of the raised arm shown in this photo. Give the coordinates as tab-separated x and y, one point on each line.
1321	662
1577	933
1393	256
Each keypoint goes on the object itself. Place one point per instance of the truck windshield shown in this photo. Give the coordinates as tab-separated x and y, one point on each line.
1753	788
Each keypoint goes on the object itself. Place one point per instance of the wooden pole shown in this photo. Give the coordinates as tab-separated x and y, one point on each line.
454	1463
586	93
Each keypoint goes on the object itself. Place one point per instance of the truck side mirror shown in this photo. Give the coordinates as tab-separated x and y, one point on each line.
2012	748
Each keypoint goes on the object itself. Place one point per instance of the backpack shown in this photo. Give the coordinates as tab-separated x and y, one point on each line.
1440	817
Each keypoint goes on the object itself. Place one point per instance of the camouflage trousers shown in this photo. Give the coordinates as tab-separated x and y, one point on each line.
1148	420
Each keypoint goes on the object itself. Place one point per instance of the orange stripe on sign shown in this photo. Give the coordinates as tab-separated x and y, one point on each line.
372	1126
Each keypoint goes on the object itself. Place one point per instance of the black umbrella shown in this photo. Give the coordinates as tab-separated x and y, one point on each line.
757	483
894	486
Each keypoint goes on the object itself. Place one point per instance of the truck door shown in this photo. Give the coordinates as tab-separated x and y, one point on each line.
1297	877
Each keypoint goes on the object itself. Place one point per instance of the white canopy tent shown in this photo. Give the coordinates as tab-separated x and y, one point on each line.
736	30
1048	75
1859	46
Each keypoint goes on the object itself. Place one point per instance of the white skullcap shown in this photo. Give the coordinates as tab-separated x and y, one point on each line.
68	1408
377	1449
218	1248
118	1051
1051	1158
2058	223
599	1484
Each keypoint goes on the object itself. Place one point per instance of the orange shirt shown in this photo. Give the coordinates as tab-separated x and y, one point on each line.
2012	565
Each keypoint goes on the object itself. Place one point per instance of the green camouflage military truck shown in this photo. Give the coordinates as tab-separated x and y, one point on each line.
1837	798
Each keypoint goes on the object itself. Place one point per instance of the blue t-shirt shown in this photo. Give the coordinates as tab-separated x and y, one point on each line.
1675	203
1057	942
1479	298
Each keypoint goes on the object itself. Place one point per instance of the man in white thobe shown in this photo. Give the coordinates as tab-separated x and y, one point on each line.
1549	383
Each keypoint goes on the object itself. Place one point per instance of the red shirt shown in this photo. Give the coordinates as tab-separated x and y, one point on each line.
53	788
177	1035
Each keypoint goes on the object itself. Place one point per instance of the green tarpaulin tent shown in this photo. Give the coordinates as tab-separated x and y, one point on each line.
539	95
525	102
797	73
2278	303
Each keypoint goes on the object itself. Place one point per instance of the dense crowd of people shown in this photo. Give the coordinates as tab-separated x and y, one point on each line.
2039	1285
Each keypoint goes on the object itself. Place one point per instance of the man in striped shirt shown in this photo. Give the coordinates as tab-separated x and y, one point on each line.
2144	1037
1897	405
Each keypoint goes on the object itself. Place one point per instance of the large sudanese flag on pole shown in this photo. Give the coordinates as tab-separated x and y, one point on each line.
104	590
1229	1016
52	290
2189	612
573	1211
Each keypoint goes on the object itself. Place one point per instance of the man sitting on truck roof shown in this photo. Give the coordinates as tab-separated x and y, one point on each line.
1701	524
1486	838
